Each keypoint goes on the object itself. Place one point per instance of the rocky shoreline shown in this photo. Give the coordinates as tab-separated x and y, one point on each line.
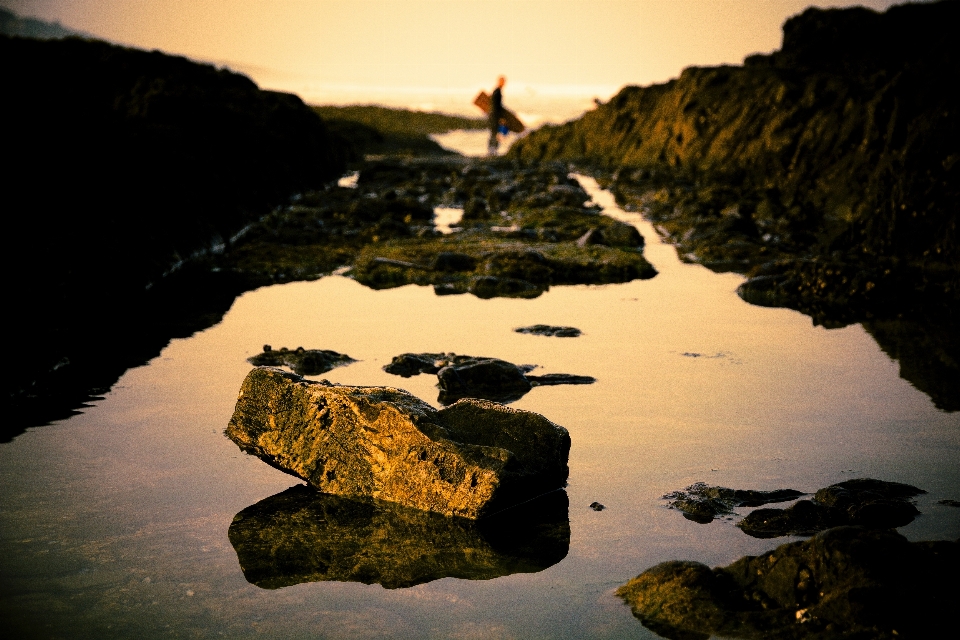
801	215
523	229
825	172
846	582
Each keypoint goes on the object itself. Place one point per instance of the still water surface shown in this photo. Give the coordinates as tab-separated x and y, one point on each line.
114	522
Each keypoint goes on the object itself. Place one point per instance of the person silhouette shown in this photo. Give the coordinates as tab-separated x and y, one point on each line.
496	116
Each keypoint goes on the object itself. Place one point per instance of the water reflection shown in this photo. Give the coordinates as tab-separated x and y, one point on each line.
928	353
301	535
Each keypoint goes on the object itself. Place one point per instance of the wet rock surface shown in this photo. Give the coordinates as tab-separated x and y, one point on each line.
867	502
302	535
518	232
471	459
489	378
304	362
703	503
863	501
846	582
548	330
787	159
461	376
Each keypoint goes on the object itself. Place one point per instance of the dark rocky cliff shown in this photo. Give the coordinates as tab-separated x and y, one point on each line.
121	165
842	146
827	172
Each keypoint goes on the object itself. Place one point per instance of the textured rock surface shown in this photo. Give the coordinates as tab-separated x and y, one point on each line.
826	171
302	535
470	459
304	362
846	582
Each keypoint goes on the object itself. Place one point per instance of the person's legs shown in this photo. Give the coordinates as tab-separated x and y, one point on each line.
494	143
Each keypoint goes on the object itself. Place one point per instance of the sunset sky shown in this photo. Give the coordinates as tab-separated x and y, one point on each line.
328	49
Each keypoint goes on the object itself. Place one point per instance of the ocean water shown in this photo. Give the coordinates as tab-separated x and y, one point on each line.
116	522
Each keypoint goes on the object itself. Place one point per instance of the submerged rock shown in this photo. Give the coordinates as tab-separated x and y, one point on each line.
548	330
864	501
549	379
304	362
302	535
412	364
489	378
470	459
477	377
702	503
844	582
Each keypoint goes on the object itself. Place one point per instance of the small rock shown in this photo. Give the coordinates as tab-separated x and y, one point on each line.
477	377
412	364
489	378
549	379
702	503
863	501
304	362
596	506
548	330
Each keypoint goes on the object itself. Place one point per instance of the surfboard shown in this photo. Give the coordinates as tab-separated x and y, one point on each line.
510	118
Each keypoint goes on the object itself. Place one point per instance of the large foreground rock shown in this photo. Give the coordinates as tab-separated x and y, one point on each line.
302	535
847	582
470	459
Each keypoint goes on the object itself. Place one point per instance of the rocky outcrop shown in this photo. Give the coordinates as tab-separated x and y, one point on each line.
304	362
478	377
152	162
470	459
827	172
377	130
832	162
702	503
548	330
518	237
843	583
301	535
864	501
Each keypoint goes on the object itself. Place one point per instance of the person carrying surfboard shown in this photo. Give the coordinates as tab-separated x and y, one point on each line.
496	115
501	119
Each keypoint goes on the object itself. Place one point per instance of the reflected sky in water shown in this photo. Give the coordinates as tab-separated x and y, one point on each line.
115	522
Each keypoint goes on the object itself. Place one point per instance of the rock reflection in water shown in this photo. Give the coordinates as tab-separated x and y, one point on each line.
301	535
